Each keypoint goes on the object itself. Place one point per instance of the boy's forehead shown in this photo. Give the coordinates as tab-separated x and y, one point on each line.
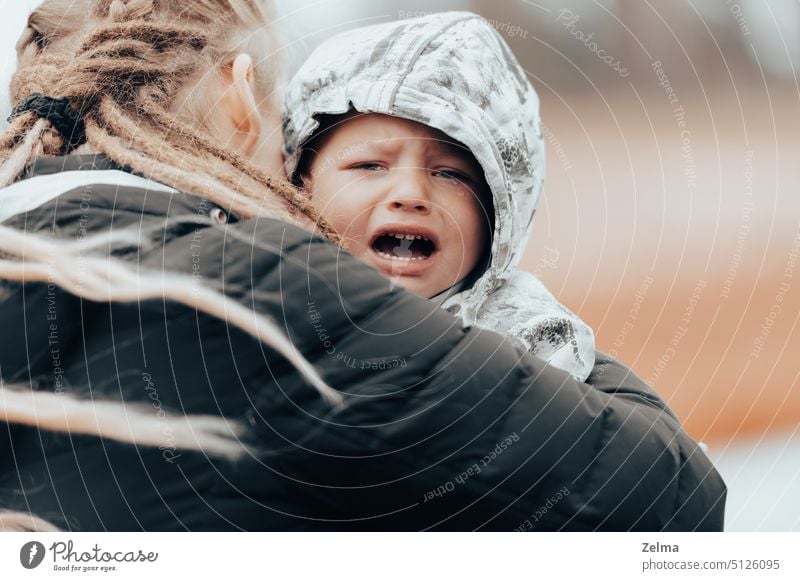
387	131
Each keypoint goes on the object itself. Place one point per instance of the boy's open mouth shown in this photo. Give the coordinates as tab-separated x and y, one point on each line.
408	244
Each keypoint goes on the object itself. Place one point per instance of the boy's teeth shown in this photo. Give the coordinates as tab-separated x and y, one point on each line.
408	236
405	258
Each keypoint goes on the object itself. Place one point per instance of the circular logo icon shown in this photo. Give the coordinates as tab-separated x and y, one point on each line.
31	554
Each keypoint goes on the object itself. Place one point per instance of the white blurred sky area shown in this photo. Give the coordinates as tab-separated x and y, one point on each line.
774	25
763	482
304	23
15	13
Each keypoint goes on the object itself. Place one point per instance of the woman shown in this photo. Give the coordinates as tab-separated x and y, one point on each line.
434	426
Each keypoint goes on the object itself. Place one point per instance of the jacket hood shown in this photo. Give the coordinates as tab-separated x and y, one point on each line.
450	71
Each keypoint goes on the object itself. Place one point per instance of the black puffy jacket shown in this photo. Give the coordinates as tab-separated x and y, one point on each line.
445	427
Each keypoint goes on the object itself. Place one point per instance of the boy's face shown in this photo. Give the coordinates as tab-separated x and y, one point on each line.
405	196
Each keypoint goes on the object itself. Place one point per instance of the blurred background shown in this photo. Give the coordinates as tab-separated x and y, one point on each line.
670	220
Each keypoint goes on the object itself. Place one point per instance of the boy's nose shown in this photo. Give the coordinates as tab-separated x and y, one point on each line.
409	194
411	205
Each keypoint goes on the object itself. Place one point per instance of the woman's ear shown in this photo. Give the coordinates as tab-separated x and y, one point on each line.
241	101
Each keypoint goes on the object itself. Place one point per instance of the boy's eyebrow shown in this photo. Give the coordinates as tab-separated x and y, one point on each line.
387	144
358	148
391	144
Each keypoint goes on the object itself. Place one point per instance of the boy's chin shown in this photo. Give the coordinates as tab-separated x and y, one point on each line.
416	285
413	284
421	278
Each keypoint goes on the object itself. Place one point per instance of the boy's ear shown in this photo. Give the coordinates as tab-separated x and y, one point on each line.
303	174
241	102
304	181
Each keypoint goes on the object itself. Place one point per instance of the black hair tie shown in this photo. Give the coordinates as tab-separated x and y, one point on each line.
59	112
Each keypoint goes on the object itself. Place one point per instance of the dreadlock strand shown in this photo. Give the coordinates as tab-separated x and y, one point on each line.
185	180
116	282
121	10
160	36
189	141
20	157
20	522
181	155
276	185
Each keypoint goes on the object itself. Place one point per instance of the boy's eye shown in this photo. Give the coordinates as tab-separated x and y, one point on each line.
451	174
368	165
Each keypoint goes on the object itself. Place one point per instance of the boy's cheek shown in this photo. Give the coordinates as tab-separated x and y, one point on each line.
344	214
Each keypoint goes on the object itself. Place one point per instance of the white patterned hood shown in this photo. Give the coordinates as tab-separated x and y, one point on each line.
452	71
